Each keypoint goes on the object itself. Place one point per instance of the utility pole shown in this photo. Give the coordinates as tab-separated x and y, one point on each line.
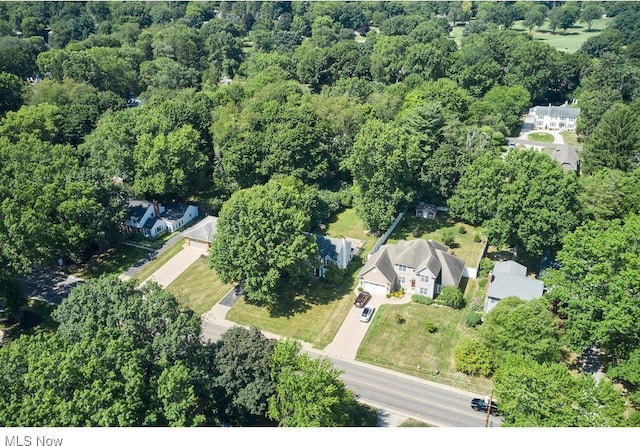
486	420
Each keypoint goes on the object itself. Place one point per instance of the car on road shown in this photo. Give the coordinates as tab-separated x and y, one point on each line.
481	405
362	299
367	313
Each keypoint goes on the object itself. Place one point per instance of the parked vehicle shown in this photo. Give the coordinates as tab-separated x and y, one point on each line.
481	405
367	313
362	299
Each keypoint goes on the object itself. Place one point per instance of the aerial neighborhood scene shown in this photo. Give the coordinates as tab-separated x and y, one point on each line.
319	214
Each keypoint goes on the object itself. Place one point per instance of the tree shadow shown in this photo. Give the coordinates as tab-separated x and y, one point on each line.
298	299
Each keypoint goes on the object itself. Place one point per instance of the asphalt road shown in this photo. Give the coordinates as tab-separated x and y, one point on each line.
434	404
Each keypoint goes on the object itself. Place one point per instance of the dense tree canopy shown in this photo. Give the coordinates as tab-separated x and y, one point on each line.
260	238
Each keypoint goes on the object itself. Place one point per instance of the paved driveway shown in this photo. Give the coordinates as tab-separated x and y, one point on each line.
346	342
168	272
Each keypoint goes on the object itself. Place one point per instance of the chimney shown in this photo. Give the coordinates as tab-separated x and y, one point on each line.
156	208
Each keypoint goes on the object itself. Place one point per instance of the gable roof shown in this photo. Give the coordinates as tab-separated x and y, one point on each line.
204	230
332	247
417	254
510	279
567	157
137	209
174	211
560	111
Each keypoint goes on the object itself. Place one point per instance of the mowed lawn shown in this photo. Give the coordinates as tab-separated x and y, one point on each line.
408	348
314	312
154	265
199	287
464	245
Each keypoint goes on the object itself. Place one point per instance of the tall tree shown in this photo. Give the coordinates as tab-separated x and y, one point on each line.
309	392
261	241
382	182
596	289
615	141
590	13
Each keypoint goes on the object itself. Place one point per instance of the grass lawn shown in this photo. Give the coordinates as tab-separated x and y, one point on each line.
113	261
464	245
569	42
36	317
312	314
199	287
540	137
570	138
409	349
151	267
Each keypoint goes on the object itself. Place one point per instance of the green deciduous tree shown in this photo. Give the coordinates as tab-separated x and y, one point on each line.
309	392
590	13
260	238
383	184
532	394
522	328
171	165
242	360
12	92
596	289
473	358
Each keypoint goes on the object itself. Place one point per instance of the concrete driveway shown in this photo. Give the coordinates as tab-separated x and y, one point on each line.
348	338
168	272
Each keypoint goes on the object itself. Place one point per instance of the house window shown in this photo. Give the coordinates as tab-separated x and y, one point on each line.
424	279
401	280
424	291
402	268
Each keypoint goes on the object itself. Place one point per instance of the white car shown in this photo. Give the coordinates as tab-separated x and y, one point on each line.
367	313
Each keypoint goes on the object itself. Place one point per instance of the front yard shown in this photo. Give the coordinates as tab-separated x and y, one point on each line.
408	348
199	287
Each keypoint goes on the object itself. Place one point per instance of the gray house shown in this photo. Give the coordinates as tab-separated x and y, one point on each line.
510	279
332	251
418	266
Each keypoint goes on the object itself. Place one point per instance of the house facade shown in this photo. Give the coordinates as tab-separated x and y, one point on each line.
151	219
417	266
510	279
332	251
553	117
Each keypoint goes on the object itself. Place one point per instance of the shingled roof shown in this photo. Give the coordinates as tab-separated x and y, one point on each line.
204	230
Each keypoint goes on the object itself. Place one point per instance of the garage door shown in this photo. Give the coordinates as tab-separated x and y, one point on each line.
374	287
199	244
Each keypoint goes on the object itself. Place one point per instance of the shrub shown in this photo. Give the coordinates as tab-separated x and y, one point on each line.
419	298
482	283
360	289
400	319
462	230
476	238
416	232
476	304
430	327
486	265
473	319
448	237
473	358
452	297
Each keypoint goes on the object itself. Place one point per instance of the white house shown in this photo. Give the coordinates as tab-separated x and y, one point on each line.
332	251
418	266
150	218
554	117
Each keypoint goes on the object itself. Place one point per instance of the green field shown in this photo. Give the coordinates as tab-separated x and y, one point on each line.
568	42
199	287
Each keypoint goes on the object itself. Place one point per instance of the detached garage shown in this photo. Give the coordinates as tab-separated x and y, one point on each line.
200	235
